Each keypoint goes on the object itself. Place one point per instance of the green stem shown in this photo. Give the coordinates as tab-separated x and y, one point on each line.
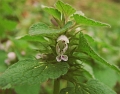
56	86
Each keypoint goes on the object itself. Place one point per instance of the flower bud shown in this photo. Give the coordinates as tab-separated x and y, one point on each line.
11	56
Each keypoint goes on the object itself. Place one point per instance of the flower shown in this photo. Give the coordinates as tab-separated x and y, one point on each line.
63	38
61	48
59	58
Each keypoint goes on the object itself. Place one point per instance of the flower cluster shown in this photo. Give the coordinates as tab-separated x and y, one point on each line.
61	48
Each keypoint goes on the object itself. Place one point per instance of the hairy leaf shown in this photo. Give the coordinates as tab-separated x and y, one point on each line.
54	12
65	8
82	20
86	48
32	72
91	87
41	28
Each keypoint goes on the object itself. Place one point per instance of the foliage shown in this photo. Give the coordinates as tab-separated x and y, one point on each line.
91	87
63	39
5	23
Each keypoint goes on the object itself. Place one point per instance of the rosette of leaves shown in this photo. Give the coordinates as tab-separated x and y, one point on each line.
78	69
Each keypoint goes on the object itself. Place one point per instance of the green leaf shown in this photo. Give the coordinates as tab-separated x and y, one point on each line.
27	89
96	87
91	87
19	44
104	75
86	48
90	40
3	56
54	12
33	38
32	72
7	8
88	69
7	24
82	20
41	28
6	87
65	8
2	31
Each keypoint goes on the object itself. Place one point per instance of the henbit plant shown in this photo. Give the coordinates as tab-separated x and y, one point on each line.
65	54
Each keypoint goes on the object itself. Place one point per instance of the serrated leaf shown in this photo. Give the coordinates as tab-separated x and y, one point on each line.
32	72
65	8
33	38
86	48
41	29
91	87
54	12
82	20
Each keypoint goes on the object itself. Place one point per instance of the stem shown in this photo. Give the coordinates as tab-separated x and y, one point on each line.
56	86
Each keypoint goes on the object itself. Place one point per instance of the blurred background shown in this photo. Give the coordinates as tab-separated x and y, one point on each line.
16	16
